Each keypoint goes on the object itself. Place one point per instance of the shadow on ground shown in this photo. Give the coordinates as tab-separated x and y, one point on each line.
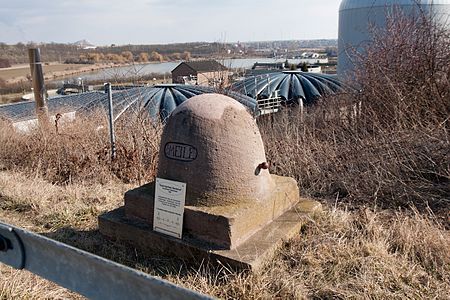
94	242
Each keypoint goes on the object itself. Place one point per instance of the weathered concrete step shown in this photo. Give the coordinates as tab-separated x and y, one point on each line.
250	255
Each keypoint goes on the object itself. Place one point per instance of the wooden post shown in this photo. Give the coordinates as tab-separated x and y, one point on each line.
40	95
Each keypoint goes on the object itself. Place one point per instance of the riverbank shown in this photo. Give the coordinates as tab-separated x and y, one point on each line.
54	70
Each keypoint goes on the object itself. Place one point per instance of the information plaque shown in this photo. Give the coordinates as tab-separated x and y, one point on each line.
169	207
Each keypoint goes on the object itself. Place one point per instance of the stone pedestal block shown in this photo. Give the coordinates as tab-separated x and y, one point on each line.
223	227
250	255
235	211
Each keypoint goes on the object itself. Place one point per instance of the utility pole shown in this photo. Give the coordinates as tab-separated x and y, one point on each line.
40	95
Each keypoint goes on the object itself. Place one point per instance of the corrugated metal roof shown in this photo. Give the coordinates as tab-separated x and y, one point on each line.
203	66
159	101
355	4
291	86
23	111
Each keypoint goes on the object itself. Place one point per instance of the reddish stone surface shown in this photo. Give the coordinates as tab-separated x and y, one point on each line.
212	143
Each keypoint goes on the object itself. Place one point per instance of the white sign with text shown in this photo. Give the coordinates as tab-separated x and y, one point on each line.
169	207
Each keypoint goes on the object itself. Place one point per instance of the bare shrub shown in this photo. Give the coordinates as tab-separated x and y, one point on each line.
386	145
5	63
143	57
186	55
80	151
128	56
155	56
333	159
404	73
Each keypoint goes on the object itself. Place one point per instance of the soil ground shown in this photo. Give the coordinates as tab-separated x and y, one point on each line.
23	70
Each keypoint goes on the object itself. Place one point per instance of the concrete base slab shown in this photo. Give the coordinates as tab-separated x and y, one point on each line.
249	255
225	226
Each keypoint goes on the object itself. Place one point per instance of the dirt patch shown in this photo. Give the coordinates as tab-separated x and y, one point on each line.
51	71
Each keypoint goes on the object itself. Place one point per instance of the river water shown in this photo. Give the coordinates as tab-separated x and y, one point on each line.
167	67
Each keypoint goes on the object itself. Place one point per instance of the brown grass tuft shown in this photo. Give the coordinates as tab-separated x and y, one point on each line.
80	151
344	162
339	254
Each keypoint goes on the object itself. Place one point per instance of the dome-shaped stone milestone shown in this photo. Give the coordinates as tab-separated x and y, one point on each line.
212	143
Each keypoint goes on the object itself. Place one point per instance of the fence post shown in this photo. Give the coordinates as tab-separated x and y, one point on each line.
301	109
111	120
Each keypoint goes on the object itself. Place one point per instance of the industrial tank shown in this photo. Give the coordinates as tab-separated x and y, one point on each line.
158	101
357	16
291	86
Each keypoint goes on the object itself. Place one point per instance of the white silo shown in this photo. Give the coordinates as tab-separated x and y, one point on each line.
357	16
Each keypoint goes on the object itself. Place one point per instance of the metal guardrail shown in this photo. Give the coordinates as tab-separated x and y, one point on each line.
87	274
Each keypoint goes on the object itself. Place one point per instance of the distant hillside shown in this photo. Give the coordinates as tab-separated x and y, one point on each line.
50	52
17	53
84	44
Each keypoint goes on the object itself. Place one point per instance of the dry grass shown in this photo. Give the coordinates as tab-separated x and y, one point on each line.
37	202
80	151
39	206
58	184
340	254
345	163
363	246
25	285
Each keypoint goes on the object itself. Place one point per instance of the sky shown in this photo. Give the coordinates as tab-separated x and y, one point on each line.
105	22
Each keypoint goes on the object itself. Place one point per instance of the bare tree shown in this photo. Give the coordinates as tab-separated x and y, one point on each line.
404	73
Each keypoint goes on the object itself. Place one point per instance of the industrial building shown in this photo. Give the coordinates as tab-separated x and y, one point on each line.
204	72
